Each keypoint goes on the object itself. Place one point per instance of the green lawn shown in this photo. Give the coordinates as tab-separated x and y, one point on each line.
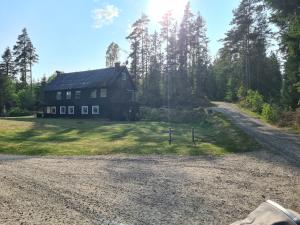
32	136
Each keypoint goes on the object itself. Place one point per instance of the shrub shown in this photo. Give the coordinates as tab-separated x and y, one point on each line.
254	101
26	99
172	115
270	113
18	112
242	93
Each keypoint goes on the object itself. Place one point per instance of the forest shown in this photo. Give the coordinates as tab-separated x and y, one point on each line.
172	66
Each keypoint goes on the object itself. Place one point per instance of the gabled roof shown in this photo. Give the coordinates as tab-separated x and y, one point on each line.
85	79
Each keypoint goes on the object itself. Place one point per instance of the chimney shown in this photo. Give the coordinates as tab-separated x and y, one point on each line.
58	73
117	65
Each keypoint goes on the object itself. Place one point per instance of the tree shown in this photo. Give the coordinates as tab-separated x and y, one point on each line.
32	58
8	64
7	88
25	56
139	44
286	15
112	54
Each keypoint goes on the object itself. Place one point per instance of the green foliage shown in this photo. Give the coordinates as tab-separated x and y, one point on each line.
242	93
253	101
287	17
16	111
172	115
26	99
270	113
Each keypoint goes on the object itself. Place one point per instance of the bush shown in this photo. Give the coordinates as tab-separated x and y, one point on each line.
172	115
18	112
254	101
26	99
270	113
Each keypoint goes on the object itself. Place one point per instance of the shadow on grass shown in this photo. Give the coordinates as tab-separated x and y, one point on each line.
138	137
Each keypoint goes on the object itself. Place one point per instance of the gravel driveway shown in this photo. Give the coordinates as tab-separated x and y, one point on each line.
285	144
142	189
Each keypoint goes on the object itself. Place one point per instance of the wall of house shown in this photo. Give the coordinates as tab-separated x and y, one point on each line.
118	104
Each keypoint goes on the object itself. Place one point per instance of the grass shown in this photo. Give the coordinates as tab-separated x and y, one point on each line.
38	136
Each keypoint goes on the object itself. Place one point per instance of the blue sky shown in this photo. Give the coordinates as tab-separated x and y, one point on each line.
72	35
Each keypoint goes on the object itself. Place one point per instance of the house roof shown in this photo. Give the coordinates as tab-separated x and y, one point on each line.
85	79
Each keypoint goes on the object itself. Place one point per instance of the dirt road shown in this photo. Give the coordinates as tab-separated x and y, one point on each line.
285	144
142	190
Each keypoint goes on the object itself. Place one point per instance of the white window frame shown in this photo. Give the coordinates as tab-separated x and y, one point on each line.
95	107
58	95
82	111
61	111
71	107
48	110
103	92
68	97
77	96
53	111
93	93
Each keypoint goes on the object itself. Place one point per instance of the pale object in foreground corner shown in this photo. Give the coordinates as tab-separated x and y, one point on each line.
271	213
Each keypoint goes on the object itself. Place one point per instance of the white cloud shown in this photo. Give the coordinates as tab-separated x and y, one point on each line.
104	16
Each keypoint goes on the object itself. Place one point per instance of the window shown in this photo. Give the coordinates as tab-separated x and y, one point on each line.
53	110
84	110
71	110
95	109
48	110
124	76
68	95
62	110
77	94
58	95
103	92
93	94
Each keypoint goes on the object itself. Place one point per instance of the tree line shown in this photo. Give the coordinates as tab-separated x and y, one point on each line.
245	62
172	67
18	91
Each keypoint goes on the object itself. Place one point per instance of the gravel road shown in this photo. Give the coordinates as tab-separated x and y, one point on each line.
281	142
142	189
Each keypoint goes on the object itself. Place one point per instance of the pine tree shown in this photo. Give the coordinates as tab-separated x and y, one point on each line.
8	64
112	54
25	56
286	15
32	58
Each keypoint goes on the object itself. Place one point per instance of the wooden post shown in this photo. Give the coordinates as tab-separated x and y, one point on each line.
170	136
193	135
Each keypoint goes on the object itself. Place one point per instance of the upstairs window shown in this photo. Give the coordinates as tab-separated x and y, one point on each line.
103	92
58	95
84	110
93	94
124	76
77	94
68	95
62	110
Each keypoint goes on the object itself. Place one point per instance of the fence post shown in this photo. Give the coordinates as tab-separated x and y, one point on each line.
170	135
193	135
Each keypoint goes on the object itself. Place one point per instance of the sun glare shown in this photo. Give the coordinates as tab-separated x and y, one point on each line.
157	8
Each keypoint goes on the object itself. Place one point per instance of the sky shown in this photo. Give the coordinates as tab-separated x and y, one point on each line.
73	35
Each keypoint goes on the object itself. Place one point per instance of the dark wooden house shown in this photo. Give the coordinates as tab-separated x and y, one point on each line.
107	93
